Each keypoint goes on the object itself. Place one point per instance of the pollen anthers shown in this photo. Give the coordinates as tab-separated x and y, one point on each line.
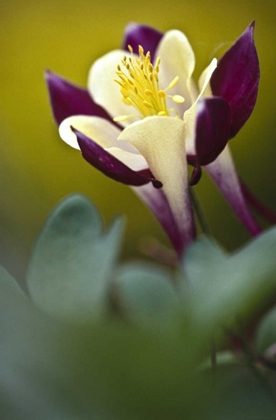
139	86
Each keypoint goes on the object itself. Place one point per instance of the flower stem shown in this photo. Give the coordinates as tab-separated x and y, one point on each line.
213	352
206	230
199	213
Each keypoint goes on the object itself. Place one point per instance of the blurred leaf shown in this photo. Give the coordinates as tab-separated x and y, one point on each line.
147	294
28	359
9	283
224	289
52	370
137	374
266	332
36	364
73	261
236	393
204	254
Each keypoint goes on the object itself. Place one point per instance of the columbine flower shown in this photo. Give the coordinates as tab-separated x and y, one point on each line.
143	119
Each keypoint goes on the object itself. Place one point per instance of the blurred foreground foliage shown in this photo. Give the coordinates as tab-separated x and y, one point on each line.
94	338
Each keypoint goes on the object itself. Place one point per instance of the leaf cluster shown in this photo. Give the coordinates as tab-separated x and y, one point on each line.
99	339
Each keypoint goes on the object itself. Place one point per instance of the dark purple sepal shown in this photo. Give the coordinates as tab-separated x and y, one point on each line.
108	164
213	124
68	99
143	35
236	78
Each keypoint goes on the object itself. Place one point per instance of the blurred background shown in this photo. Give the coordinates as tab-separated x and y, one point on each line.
66	36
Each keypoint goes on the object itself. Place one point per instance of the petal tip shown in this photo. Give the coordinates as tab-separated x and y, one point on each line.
50	76
236	78
250	30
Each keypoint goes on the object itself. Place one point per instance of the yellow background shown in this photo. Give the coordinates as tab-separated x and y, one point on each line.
38	169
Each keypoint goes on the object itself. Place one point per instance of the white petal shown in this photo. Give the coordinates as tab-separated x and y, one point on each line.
161	140
102	87
204	80
177	59
98	129
134	161
190	125
190	114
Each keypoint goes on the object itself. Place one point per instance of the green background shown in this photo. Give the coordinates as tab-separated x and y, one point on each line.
38	169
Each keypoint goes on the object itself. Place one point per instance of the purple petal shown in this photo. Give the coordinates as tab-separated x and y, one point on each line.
143	35
157	202
109	164
68	99
212	129
224	175
264	211
236	78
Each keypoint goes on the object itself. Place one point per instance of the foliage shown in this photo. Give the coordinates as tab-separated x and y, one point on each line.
100	339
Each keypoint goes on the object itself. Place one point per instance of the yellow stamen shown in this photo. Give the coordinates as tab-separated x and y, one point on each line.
139	86
178	99
148	105
173	83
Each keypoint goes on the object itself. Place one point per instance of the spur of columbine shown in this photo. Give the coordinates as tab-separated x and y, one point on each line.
142	120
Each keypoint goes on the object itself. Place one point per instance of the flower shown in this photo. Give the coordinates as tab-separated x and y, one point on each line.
142	120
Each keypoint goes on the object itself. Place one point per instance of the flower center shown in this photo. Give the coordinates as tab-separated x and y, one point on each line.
139	85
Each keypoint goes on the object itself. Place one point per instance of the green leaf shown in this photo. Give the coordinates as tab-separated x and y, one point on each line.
146	294
235	392
27	348
225	289
8	282
54	370
203	256
73	261
136	373
266	332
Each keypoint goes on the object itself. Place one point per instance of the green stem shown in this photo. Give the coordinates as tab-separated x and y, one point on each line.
199	213
206	230
213	352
